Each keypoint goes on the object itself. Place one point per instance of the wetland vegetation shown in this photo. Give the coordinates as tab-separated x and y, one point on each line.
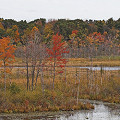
47	68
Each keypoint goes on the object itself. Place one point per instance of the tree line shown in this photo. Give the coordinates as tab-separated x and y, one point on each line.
63	26
90	36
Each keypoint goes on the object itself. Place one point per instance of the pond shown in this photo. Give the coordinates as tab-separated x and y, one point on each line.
102	111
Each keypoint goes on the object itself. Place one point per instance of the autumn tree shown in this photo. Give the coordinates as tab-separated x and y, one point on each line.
6	55
2	31
73	42
95	41
58	48
36	46
48	31
34	53
14	34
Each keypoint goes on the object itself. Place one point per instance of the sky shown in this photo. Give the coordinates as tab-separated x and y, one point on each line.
60	9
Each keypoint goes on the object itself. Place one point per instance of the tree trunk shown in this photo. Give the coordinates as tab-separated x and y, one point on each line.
4	77
33	75
54	72
65	74
38	71
78	88
27	75
42	79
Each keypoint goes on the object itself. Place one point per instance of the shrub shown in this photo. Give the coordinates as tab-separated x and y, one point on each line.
14	88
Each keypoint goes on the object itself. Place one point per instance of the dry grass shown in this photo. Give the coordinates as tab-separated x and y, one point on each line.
80	62
64	96
95	62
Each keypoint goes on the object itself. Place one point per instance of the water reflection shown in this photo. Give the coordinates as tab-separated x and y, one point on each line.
101	112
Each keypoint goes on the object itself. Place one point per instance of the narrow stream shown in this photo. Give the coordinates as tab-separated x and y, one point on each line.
102	111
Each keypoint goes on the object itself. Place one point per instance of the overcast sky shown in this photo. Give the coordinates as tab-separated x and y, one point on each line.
56	9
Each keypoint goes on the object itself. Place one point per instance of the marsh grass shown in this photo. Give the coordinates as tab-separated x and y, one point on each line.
77	83
97	61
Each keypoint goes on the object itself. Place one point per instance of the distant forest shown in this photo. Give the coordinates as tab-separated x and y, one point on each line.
100	35
61	26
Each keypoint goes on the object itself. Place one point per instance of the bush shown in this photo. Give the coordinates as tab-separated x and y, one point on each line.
14	88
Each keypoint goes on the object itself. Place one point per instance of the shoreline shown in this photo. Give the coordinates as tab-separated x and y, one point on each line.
50	114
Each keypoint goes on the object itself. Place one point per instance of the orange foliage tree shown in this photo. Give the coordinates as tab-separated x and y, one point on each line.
6	55
73	35
96	38
56	54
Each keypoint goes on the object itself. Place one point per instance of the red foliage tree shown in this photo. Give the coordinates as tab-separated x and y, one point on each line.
74	31
56	54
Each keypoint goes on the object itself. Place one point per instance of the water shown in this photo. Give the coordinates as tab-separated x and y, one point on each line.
90	68
103	68
101	112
